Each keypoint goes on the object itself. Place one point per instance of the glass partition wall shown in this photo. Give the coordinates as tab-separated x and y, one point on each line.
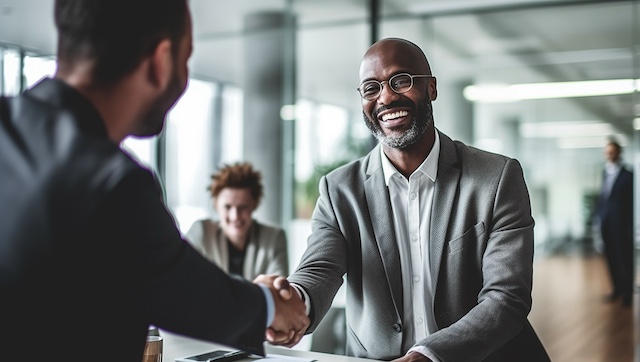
274	83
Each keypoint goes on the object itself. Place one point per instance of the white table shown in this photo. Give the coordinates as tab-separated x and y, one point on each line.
180	346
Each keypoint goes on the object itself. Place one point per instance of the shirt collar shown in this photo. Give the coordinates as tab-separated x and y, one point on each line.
59	94
611	167
429	166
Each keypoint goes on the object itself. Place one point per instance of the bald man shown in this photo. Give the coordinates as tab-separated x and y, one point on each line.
435	237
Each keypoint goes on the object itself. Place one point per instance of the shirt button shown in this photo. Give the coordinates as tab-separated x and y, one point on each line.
416	278
412	195
420	321
397	327
414	237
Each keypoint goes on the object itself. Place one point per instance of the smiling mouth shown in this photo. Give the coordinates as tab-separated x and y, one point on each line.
394	115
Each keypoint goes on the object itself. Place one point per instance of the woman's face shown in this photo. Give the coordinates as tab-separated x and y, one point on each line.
235	207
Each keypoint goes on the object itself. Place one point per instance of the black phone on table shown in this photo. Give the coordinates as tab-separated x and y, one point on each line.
218	355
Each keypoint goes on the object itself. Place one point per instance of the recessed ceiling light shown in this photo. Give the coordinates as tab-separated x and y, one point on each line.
516	92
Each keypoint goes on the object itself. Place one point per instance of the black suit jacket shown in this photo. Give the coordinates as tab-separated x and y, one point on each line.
88	250
616	211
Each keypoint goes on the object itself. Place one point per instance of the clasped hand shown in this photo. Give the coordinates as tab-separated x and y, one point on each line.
291	320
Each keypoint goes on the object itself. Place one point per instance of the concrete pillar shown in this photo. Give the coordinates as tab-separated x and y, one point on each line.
453	113
267	87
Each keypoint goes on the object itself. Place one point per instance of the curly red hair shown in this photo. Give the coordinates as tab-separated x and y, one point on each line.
240	175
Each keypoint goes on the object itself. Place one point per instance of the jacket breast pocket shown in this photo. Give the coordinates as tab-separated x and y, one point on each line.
469	236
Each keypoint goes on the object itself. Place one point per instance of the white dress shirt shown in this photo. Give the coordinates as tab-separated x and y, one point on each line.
611	171
411	201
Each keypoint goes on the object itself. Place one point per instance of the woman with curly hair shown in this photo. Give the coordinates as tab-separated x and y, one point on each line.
236	242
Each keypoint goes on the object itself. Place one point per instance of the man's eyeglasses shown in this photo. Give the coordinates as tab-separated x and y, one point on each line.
399	83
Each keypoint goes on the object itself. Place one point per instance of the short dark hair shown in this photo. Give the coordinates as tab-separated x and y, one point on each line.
240	175
116	34
614	142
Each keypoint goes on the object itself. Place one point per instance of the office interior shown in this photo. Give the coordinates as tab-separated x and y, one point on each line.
273	82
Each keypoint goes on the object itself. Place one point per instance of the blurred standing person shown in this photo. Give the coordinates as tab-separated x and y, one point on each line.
615	215
237	242
86	242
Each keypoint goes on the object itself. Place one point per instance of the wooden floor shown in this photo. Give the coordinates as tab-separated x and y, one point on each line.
570	316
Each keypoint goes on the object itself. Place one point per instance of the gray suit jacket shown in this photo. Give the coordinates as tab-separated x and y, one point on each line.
481	256
265	253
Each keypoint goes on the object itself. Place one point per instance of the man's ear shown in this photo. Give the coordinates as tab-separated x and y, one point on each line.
433	88
161	64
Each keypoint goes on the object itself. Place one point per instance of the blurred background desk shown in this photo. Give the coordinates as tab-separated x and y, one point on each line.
179	346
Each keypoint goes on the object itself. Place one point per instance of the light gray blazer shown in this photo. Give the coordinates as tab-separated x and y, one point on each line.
265	253
481	255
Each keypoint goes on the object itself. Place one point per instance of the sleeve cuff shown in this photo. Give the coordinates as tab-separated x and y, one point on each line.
270	304
425	352
304	296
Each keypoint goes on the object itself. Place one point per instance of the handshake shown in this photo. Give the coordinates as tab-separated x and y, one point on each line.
290	321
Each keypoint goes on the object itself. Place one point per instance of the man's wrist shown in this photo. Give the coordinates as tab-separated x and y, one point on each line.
424	351
303	295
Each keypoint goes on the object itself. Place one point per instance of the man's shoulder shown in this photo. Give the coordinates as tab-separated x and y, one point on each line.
627	174
46	144
353	169
472	151
472	156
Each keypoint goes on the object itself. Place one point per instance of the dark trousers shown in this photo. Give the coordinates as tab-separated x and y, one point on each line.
619	255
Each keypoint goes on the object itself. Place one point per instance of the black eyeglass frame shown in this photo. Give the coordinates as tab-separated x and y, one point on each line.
373	97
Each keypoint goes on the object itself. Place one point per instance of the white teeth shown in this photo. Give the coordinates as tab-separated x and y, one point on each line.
393	115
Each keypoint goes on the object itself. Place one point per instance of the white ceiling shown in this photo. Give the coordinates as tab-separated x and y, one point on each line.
466	41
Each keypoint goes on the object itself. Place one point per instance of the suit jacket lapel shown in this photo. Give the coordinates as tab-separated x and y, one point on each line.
446	187
377	195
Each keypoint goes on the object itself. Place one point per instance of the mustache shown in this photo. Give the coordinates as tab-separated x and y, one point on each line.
398	103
